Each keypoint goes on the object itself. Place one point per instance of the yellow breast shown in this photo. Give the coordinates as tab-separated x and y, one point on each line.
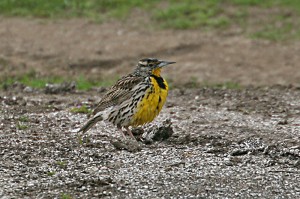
151	104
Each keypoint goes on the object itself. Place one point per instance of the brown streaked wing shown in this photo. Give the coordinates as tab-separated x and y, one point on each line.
118	93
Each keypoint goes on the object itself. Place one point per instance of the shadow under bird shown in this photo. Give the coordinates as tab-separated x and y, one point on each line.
135	99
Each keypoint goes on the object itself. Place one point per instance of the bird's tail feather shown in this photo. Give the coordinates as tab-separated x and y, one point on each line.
91	122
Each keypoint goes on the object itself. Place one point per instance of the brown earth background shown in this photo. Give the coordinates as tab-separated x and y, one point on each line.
100	51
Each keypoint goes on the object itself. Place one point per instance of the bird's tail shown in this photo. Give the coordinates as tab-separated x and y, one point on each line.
91	122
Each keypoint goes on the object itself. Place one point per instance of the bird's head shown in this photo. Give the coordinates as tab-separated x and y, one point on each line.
151	66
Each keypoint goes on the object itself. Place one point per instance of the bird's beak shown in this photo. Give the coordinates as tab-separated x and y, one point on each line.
164	63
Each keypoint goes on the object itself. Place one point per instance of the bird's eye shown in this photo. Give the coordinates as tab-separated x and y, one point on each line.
151	65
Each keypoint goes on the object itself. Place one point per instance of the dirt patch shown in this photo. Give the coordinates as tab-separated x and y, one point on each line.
225	143
79	47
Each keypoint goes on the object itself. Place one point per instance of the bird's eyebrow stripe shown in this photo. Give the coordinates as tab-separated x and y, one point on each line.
143	63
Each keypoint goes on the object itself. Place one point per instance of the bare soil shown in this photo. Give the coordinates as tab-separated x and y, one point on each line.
79	47
241	143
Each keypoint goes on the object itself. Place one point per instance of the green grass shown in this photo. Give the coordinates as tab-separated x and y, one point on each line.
61	164
96	9
270	32
23	119
30	79
82	109
191	14
33	80
295	4
252	2
176	14
21	126
200	11
280	28
85	84
51	173
277	26
66	196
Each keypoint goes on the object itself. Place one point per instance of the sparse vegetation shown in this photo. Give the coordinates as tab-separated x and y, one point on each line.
23	118
81	109
71	8
66	196
271	32
191	14
21	126
193	83
61	164
85	84
32	79
168	14
225	85
51	173
80	140
22	122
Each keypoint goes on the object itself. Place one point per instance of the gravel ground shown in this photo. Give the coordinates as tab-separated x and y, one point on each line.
225	144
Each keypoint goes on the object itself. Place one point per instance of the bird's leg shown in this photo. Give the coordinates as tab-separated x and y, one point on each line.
121	131
129	132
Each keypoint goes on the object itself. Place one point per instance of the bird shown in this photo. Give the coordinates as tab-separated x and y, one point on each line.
135	99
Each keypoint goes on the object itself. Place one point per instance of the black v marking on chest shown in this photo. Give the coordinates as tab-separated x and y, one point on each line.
160	81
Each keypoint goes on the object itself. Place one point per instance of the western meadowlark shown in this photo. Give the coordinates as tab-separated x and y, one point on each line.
135	99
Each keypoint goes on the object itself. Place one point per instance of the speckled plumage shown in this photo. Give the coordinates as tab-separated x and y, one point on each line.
135	99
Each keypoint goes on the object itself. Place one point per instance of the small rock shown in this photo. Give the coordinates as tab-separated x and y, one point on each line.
283	122
238	152
161	133
28	89
60	88
127	144
101	89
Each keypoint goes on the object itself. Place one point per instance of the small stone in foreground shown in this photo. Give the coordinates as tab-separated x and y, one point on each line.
127	144
161	133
